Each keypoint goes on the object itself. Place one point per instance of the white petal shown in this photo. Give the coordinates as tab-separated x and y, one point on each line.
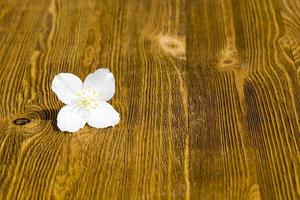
65	86
102	81
69	120
103	116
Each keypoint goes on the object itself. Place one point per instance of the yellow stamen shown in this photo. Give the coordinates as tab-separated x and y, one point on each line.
84	103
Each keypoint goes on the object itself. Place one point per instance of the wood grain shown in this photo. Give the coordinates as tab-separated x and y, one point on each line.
208	93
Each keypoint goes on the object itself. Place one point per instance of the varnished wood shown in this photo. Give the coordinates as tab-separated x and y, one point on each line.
208	92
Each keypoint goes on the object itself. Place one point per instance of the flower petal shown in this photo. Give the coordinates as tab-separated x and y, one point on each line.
65	86
103	81
68	120
103	116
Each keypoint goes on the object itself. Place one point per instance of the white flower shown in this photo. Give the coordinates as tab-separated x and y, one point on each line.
85	101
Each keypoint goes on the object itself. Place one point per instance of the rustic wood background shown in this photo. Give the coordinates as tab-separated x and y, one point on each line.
208	92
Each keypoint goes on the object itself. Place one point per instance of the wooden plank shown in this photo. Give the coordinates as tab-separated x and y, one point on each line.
221	155
208	93
247	94
143	43
271	99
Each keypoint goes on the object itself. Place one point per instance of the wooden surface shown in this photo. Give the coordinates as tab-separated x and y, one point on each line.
208	91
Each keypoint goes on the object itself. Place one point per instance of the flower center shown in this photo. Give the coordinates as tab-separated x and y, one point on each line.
87	100
84	103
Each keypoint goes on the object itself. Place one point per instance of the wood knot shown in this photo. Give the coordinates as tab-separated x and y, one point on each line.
21	121
173	45
229	59
89	56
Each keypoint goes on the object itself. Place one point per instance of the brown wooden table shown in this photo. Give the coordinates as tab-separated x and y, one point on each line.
208	92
